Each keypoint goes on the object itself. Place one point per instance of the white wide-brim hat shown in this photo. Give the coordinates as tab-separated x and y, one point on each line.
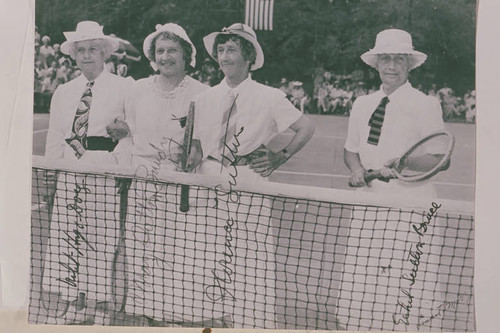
243	31
87	30
174	29
394	41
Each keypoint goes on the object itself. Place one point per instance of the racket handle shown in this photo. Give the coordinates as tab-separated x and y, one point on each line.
184	207
373	174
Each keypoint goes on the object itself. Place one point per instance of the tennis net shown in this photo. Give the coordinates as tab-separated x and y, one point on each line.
112	248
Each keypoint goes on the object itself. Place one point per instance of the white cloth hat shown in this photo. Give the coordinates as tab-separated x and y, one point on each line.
172	28
394	41
86	30
243	31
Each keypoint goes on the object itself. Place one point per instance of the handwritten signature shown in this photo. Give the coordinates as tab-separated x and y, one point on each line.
75	241
403	307
223	275
441	308
233	149
146	210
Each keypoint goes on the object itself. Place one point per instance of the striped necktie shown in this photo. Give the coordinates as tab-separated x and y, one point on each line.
228	127
376	122
78	139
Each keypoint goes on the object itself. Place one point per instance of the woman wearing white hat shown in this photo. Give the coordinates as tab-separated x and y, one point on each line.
381	288
159	274
235	121
158	104
80	272
410	115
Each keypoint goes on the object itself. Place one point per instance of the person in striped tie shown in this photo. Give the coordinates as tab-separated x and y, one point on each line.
383	125
77	277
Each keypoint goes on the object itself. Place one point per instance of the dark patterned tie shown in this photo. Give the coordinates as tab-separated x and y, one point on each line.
228	127
376	122
78	139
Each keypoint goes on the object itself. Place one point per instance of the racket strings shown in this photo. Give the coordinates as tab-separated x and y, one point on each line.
426	157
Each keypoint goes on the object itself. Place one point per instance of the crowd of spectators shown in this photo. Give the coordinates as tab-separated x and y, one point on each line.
53	68
331	93
335	94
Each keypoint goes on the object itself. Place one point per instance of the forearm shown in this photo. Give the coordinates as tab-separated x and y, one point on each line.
353	161
304	130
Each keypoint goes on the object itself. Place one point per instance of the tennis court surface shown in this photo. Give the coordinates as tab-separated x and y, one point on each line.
321	162
304	258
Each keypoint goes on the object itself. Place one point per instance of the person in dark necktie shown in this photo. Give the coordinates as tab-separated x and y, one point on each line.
77	277
384	124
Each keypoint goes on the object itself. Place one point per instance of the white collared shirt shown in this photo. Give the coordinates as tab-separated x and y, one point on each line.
261	111
410	116
108	101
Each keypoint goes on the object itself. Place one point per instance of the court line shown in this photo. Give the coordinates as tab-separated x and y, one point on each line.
345	177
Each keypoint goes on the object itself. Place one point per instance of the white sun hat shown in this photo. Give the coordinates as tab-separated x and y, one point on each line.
174	29
394	41
86	30
243	31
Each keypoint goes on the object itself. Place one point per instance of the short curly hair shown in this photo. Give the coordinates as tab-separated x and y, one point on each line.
185	46
247	49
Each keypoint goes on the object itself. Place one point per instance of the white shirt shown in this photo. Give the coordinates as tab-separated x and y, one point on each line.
108	103
262	111
153	115
410	116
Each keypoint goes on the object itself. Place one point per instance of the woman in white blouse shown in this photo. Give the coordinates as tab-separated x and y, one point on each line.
157	107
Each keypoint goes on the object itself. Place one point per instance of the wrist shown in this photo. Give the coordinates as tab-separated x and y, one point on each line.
286	154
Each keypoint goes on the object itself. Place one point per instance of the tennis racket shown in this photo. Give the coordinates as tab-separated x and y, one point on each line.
186	150
422	161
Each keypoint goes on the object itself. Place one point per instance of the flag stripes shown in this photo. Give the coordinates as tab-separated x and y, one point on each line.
259	14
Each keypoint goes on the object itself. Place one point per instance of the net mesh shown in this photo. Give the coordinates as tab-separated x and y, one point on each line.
112	250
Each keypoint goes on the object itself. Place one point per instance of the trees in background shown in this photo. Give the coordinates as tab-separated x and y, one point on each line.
308	34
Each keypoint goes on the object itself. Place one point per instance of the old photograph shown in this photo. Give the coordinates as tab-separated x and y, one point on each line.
268	164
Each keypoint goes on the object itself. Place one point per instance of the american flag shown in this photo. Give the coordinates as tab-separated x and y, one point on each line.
259	14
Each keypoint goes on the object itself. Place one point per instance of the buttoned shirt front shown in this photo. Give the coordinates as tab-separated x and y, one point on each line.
108	103
261	113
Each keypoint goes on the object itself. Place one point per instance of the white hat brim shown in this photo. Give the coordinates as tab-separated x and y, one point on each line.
371	57
209	40
72	38
149	40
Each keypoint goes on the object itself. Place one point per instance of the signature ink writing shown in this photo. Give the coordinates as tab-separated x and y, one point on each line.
414	259
403	315
145	223
421	229
74	241
224	274
403	308
441	308
233	196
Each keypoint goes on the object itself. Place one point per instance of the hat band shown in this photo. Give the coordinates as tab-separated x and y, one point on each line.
237	32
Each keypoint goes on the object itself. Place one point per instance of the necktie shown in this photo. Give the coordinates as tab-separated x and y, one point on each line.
376	122
78	139
228	128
